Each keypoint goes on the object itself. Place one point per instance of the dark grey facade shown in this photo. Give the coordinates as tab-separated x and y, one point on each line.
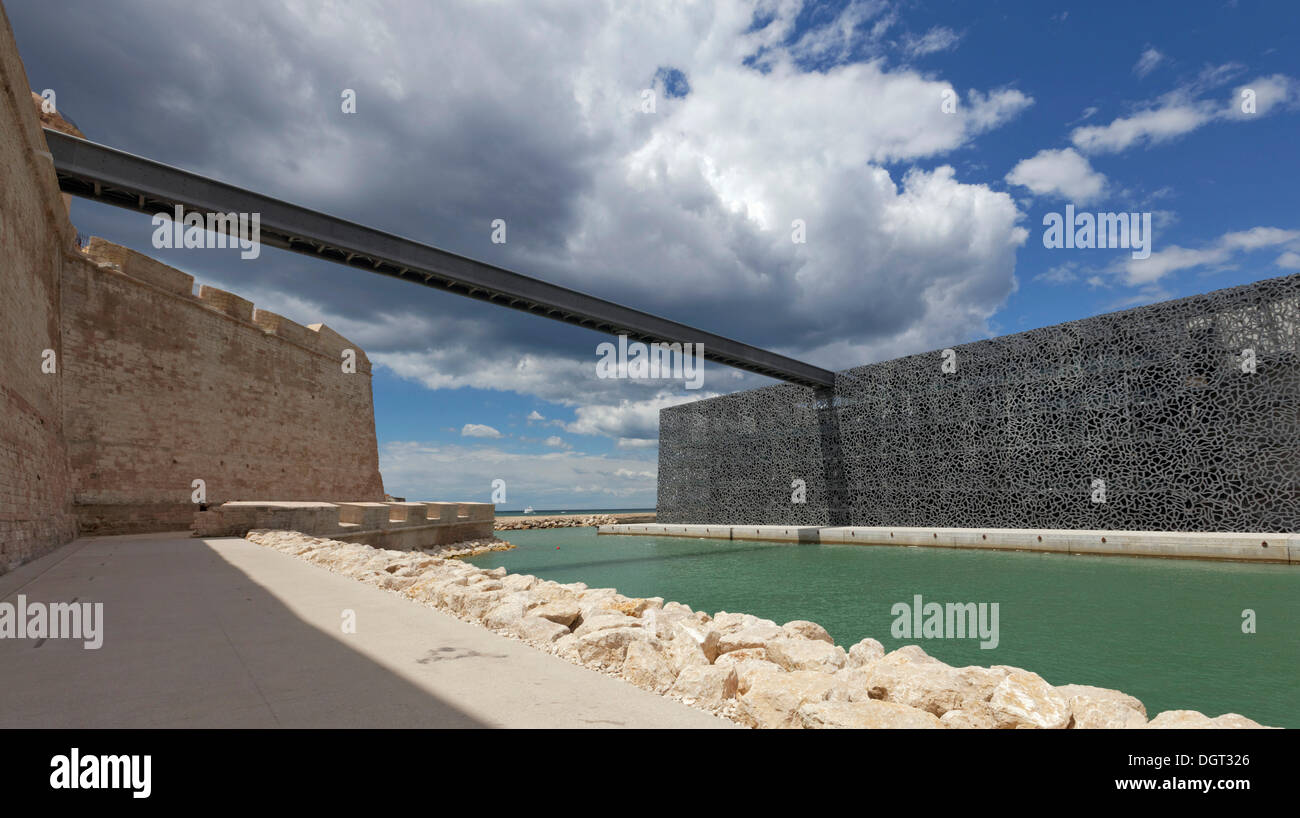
1154	418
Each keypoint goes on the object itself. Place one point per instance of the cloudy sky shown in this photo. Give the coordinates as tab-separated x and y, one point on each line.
921	144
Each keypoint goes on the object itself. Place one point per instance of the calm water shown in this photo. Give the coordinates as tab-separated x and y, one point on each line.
1166	631
576	512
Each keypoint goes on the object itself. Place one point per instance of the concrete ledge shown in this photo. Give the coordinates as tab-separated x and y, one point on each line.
1247	547
401	526
776	533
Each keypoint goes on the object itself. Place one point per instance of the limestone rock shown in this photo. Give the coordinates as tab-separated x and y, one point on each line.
396	583
706	685
742	654
1192	719
753	636
806	654
560	611
1070	691
599	602
505	614
608	647
750	670
536	629
869	714
851	685
802	628
707	637
647	665
567	646
912	677
732	622
865	652
1097	708
773	699
683	650
1025	699
519	582
605	621
972	716
476	605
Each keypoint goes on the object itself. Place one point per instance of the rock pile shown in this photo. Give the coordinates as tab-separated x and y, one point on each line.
468	548
736	665
556	522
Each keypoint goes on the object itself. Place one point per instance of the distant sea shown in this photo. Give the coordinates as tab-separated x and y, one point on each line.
571	512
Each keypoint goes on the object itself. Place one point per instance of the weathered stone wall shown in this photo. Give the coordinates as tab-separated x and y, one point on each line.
35	492
151	387
1155	402
163	388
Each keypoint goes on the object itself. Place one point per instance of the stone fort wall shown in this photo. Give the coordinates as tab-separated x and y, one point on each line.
35	235
152	386
165	387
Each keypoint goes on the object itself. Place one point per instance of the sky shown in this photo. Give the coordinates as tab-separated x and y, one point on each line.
919	149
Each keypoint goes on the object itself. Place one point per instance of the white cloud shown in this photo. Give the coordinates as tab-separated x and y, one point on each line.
1174	258
636	443
557	442
939	38
1063	173
860	23
1187	108
627	419
535	415
684	212
1290	260
1148	61
478	430
1258	237
635	474
1270	93
415	469
1154	125
1066	273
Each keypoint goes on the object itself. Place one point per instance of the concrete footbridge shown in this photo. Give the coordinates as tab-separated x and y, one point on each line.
111	176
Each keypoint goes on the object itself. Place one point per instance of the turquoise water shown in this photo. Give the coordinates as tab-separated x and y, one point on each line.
1166	631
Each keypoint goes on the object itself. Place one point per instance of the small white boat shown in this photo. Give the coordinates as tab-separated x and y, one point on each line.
528	510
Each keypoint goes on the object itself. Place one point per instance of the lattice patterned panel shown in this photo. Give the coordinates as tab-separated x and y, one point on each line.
1145	419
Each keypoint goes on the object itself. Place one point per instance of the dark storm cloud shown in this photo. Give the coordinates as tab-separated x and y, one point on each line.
472	112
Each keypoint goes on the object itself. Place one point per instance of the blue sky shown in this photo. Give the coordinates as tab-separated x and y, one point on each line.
924	225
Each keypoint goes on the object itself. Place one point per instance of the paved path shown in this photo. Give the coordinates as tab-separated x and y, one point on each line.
224	633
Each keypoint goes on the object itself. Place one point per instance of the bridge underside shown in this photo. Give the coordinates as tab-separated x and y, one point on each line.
107	175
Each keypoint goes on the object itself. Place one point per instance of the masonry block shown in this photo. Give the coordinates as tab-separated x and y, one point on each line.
141	267
228	303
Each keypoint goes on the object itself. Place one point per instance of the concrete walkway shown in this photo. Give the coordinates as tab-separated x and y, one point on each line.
224	633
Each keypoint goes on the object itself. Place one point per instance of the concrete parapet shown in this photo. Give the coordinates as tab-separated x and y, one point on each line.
776	533
366	515
228	303
476	512
383	525
275	324
140	267
443	512
328	341
1270	548
407	514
